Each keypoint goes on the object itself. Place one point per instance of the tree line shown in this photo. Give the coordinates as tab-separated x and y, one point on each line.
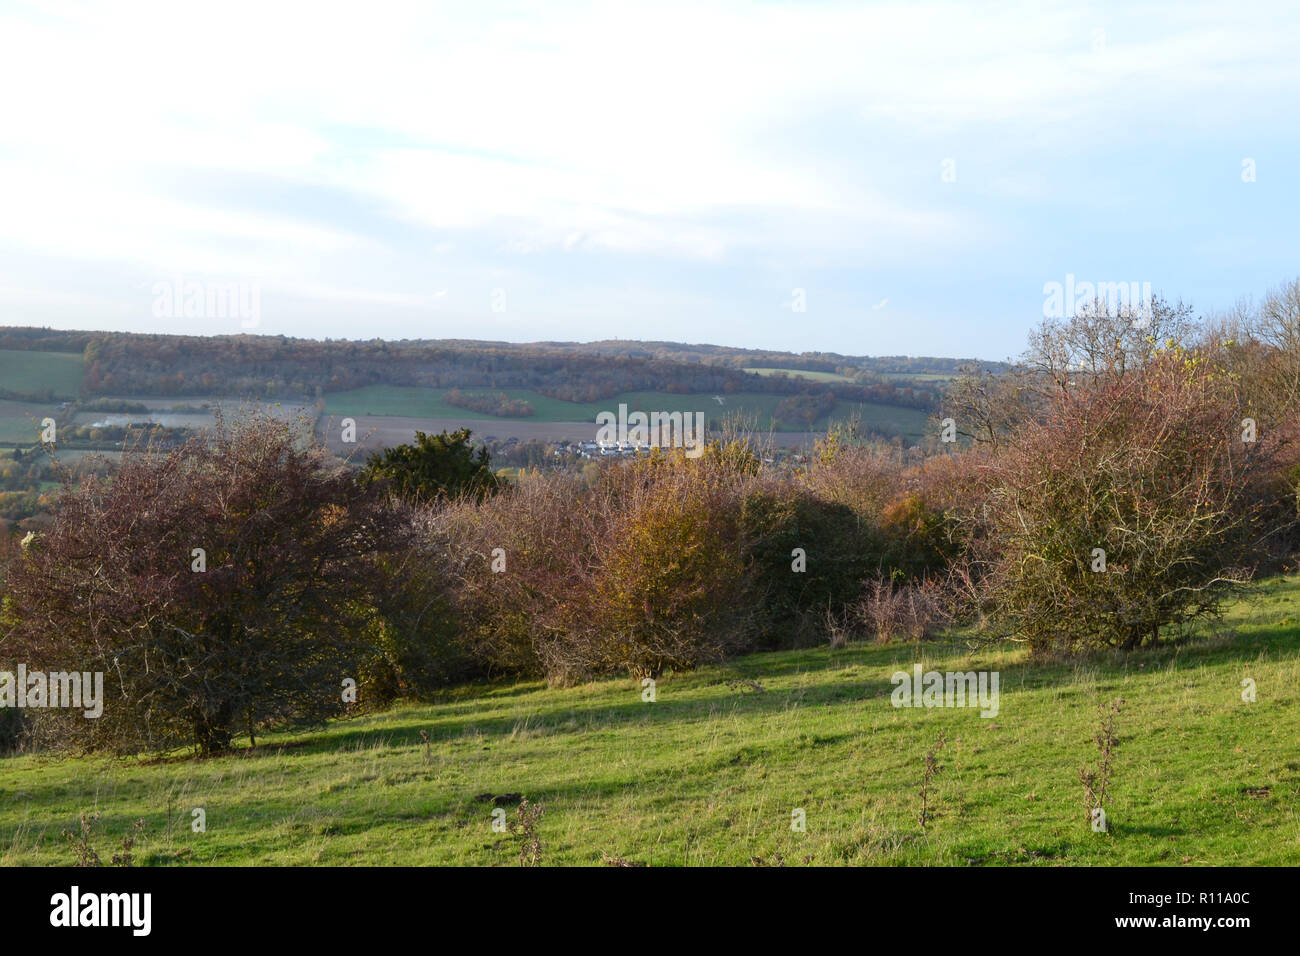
278	367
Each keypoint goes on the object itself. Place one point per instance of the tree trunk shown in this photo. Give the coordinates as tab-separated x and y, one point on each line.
213	732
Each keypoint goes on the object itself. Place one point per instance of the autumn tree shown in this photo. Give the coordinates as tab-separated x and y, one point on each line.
222	587
1102	342
1130	505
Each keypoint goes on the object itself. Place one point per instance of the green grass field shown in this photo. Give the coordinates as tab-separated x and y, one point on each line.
920	376
802	373
41	374
21	421
389	400
708	774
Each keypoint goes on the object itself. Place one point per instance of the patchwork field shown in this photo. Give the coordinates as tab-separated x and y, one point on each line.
20	420
190	412
381	401
711	772
41	374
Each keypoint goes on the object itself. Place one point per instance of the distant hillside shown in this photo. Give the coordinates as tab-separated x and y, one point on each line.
128	364
735	357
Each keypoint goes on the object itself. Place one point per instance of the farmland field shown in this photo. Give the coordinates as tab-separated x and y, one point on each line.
41	374
802	373
201	412
920	376
166	419
710	774
403	402
20	422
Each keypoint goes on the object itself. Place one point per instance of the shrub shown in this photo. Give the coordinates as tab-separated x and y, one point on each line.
776	517
1149	468
417	629
544	533
918	539
640	571
261	638
865	479
673	588
490	403
892	610
436	466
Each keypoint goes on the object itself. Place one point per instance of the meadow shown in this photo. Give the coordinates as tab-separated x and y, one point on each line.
711	771
55	375
919	376
802	373
20	422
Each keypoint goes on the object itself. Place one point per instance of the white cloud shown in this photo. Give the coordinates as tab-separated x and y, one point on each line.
702	132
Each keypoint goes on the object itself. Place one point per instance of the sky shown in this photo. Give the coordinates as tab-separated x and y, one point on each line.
863	178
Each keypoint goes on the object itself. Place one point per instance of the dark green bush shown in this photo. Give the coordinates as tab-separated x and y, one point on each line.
840	549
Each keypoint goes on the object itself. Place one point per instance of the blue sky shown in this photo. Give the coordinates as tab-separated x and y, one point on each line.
588	171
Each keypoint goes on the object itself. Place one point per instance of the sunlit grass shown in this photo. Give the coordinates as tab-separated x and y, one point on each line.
710	773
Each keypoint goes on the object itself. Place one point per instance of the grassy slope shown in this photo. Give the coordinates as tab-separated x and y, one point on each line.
920	376
33	372
709	775
429	403
21	421
802	373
